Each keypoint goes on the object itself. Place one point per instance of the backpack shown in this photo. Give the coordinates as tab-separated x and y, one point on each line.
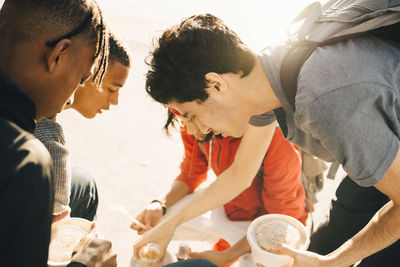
320	25
333	22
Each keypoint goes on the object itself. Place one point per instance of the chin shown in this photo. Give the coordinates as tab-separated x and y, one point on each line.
87	115
90	116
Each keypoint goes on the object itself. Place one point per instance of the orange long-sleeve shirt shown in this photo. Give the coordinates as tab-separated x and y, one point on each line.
276	188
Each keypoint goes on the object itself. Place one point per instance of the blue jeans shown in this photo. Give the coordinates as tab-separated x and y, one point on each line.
84	197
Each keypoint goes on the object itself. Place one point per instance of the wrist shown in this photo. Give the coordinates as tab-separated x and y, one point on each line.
162	204
229	256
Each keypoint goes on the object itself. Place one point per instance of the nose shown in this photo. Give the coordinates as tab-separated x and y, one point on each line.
113	99
203	128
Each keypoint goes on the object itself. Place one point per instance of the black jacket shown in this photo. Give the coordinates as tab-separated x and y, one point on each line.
26	191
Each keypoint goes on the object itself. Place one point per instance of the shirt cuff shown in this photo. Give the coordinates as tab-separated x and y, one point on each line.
59	207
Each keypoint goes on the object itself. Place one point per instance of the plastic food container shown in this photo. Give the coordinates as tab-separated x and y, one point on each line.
65	236
266	258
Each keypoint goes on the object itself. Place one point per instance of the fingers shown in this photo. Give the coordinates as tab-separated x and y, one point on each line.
138	246
94	231
93	226
138	226
161	234
136	249
146	220
287	250
59	216
111	261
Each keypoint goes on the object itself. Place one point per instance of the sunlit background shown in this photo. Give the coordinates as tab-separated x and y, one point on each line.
130	157
258	22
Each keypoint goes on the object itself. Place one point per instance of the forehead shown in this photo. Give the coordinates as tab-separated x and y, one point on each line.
116	74
185	109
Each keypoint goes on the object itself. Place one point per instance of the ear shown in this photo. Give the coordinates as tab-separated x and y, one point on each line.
56	53
216	82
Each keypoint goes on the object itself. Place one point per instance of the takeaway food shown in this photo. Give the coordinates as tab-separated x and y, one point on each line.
65	236
270	233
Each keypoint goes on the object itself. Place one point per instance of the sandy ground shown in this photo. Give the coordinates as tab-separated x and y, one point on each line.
131	159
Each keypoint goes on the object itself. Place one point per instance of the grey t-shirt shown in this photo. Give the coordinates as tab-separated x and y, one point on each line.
347	104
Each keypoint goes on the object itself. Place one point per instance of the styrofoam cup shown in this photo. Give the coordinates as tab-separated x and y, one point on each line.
268	259
65	235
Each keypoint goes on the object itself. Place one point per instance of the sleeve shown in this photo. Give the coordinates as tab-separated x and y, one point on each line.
283	192
26	201
263	119
51	135
194	166
76	264
356	125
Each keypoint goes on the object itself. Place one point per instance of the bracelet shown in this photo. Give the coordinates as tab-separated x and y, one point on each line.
164	208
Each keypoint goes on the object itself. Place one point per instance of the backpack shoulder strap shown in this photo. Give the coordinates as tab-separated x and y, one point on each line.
290	69
300	51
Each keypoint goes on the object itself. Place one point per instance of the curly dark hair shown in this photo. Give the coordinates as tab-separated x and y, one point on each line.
60	19
185	53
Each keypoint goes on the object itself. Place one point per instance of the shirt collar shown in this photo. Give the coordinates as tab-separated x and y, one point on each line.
15	105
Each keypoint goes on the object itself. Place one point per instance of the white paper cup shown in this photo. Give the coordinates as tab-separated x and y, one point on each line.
268	259
65	235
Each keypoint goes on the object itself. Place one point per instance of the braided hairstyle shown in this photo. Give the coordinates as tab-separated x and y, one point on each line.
56	20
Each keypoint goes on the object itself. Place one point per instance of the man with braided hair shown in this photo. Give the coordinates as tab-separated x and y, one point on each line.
47	49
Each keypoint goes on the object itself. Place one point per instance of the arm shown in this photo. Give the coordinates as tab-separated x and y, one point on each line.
379	233
194	169
26	200
229	184
153	213
50	133
221	258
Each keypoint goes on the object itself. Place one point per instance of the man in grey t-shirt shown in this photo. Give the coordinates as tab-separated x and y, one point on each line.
346	111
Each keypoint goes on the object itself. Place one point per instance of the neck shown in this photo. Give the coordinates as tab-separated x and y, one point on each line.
18	64
258	92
